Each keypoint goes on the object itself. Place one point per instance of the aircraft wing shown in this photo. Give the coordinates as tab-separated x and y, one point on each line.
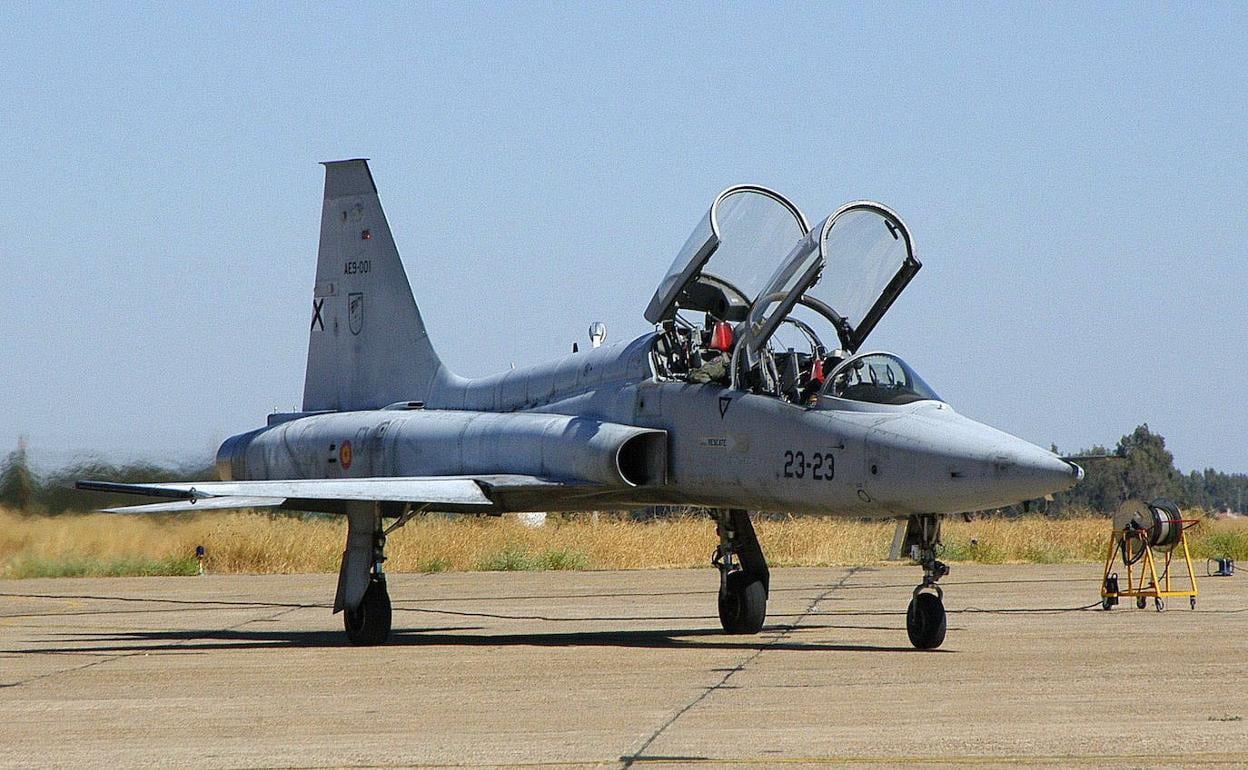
465	491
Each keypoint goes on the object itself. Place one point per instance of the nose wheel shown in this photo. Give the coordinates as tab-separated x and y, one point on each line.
925	617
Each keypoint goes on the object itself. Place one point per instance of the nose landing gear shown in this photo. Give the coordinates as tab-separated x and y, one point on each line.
925	617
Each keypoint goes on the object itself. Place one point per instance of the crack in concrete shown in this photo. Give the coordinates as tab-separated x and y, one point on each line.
628	760
148	651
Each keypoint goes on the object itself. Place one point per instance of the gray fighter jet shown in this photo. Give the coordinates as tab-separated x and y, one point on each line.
753	392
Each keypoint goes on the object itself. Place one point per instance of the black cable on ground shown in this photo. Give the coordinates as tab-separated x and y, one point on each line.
1044	610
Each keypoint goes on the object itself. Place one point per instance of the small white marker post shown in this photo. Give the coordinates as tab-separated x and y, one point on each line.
531	518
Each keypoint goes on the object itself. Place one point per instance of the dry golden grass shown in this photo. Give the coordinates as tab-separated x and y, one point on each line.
264	543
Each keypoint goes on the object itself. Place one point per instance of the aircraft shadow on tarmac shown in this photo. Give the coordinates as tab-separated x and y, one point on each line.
243	639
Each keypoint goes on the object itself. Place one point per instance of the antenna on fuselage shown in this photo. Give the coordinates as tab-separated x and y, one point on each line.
597	333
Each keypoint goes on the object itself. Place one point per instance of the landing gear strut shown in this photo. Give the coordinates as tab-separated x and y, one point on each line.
362	596
925	617
744	579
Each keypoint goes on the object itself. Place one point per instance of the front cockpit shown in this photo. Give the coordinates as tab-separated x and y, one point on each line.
758	300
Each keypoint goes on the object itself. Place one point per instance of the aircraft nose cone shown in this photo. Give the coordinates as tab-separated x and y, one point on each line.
1048	472
943	462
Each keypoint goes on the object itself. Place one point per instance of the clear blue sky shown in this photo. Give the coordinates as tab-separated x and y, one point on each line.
1074	176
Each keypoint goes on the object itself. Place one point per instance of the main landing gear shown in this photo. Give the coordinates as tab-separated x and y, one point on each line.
744	579
362	596
925	617
369	623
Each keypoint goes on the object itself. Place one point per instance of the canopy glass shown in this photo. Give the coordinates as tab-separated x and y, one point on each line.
849	269
726	260
878	378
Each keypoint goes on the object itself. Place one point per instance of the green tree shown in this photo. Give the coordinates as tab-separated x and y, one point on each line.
1213	489
57	493
17	482
1101	488
1139	467
1149	470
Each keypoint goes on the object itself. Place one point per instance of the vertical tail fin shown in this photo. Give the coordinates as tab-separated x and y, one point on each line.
368	346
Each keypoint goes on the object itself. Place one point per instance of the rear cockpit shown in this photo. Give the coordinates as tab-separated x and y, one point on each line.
760	301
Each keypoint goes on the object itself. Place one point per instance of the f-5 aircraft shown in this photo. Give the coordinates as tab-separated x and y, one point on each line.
753	392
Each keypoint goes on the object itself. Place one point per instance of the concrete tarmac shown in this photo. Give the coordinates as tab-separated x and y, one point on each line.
620	669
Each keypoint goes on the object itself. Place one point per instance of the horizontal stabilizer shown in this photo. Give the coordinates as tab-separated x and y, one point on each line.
204	504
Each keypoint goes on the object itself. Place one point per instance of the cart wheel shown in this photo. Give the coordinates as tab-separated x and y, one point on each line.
1140	601
1107	603
1159	604
1193	601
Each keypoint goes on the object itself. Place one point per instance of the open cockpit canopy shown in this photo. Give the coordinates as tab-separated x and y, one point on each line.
849	269
728	257
784	304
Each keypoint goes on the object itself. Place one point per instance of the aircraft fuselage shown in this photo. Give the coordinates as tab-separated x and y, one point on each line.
719	447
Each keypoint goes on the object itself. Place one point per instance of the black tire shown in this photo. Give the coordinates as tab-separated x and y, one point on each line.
1107	603
743	606
1140	602
369	623
925	621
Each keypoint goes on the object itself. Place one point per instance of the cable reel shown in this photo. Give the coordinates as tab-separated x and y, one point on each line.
1146	536
1157	525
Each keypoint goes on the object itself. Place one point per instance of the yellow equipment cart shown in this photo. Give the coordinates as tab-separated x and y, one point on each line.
1146	536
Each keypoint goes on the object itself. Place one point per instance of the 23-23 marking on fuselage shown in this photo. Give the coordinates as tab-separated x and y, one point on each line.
820	467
